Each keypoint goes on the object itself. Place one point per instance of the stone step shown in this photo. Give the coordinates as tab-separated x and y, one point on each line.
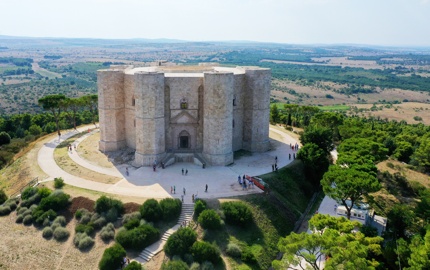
147	253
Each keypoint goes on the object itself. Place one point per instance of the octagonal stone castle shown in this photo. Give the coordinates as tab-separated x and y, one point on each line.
163	111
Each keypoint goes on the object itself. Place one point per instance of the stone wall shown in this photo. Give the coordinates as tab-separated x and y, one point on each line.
218	116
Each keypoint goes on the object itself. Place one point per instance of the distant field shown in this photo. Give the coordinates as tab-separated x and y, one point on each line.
335	108
45	73
4	67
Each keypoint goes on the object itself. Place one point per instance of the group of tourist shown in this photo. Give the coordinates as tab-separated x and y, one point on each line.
245	183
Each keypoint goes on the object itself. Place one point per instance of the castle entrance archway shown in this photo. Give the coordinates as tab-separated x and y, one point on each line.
184	140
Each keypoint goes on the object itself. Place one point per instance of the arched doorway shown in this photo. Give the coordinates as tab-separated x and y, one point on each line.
184	140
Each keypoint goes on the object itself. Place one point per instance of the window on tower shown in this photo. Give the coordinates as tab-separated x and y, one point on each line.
184	104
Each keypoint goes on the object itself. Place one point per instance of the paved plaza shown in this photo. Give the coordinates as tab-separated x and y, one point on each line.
143	182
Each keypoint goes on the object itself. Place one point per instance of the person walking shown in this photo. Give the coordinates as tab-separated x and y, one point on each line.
174	189
186	171
182	171
182	198
171	189
206	189
126	171
184	191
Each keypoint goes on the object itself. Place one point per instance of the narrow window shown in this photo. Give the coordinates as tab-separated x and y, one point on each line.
184	104
134	123
133	101
233	123
234	100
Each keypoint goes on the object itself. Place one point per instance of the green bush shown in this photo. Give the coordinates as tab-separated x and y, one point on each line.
60	220
5	210
209	219
19	218
237	213
21	210
207	266
34	199
233	250
150	210
44	192
85	219
174	265
195	266
112	215
108	232
3	196
80	212
12	203
137	238
134	215
134	266
47	232
99	223
170	208
84	228
39	215
27	220
61	234
112	258
104	204
180	242
28	192
57	201
204	251
59	183
247	256
199	206
4	138
82	241
132	223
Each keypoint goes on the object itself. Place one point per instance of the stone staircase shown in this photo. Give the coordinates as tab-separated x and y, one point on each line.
187	213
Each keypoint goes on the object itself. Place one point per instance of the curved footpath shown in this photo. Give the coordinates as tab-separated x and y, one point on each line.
143	182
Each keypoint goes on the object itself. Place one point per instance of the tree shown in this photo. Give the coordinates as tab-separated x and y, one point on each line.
315	160
330	120
422	153
420	252
53	103
400	218
331	238
180	242
71	107
3	196
112	258
343	184
321	136
364	147
4	138
91	102
274	114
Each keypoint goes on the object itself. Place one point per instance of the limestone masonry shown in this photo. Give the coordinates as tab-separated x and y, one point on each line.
165	111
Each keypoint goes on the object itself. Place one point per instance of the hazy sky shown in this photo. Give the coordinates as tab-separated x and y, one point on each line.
377	22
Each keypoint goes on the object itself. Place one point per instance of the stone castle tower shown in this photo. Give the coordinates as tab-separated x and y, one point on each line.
198	110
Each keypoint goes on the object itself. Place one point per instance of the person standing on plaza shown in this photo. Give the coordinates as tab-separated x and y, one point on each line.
206	189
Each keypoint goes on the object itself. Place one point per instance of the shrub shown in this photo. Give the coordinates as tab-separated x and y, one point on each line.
199	206
21	210
209	219
83	241
237	213
61	234
27	220
108	232
80	212
47	233
174	265
137	238
4	138
180	242
195	266
44	192
28	192
85	219
99	223
170	208
150	210
104	204
56	201
127	217
132	223
112	215
247	256
233	250
12	203
3	196
134	266
39	215
112	258
60	220
84	228
204	251
207	266
59	183
19	218
5	210
34	199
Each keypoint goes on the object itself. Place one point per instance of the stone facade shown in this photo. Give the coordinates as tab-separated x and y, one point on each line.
213	111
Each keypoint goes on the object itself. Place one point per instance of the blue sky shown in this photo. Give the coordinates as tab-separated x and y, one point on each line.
373	22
